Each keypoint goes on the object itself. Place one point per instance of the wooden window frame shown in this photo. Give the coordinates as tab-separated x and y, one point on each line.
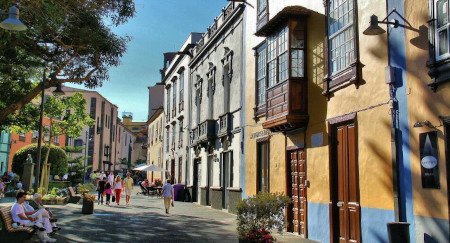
260	107
352	73
181	91
439	67
262	15
259	145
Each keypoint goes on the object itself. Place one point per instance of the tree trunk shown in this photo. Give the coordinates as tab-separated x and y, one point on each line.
44	166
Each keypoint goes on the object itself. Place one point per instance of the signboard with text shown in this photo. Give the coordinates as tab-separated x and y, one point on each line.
429	163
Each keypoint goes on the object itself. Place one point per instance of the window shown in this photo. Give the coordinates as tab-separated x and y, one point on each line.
174	102
56	140
78	142
262	13
262	8
167	140
34	136
341	34
168	104
297	49
263	167
442	29
181	98
180	136
173	136
278	57
22	137
261	62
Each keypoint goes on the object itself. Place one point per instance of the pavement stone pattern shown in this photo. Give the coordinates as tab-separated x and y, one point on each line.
145	221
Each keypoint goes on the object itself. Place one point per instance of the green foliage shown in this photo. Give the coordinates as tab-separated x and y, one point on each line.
72	149
77	169
57	158
54	191
58	184
87	187
72	39
265	211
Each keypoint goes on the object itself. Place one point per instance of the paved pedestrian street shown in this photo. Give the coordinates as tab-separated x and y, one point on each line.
145	221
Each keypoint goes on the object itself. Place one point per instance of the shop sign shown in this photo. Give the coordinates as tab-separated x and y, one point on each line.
429	160
260	134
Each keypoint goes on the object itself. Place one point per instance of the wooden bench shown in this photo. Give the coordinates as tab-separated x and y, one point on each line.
73	197
13	234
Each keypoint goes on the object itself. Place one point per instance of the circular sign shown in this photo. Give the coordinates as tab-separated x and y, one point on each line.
429	162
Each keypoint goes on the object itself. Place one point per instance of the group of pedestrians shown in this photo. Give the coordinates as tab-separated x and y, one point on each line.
112	188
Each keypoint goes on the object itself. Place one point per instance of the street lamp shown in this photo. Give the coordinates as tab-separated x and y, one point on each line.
12	22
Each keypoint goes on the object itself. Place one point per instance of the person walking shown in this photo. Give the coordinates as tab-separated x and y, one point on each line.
111	178
167	191
101	189
108	192
118	188
128	185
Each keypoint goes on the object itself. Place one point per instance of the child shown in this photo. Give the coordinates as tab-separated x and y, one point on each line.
108	192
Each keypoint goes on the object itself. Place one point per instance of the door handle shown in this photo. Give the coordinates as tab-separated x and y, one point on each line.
340	204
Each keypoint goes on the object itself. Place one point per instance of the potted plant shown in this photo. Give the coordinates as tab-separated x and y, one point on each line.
260	214
88	204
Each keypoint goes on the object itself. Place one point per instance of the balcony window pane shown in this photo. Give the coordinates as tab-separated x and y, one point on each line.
283	67
297	63
261	74
442	13
443	42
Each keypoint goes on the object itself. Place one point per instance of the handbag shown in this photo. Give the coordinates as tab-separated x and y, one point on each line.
113	198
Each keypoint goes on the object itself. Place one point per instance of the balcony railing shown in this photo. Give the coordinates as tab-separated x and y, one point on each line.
204	132
225	124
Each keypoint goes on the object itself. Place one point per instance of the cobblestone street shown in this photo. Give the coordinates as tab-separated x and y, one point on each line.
145	221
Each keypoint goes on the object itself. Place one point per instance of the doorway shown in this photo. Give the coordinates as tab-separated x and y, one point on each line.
344	184
227	176
196	180
297	191
172	172
209	180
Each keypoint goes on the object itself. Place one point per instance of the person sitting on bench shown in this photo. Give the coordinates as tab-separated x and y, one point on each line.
37	198
33	219
145	185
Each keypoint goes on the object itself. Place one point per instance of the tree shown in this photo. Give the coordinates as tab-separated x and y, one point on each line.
57	158
77	169
73	39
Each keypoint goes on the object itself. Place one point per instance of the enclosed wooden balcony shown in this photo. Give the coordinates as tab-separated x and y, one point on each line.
287	106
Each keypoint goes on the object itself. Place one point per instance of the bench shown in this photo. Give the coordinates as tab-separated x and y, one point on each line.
13	234
73	197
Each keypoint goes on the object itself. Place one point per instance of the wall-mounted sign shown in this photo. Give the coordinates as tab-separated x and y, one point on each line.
429	160
260	134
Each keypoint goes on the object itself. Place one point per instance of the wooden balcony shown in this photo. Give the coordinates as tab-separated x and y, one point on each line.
225	124
287	107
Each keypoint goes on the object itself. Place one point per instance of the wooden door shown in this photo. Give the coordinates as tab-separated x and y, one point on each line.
297	185
345	185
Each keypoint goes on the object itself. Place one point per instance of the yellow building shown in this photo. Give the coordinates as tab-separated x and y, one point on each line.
155	152
345	123
139	129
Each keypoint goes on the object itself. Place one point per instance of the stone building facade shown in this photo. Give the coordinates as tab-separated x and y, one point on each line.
176	97
216	148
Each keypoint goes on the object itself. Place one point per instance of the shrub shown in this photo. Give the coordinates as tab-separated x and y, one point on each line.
57	158
260	214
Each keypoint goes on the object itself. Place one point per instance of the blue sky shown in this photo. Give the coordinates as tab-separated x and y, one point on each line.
159	26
